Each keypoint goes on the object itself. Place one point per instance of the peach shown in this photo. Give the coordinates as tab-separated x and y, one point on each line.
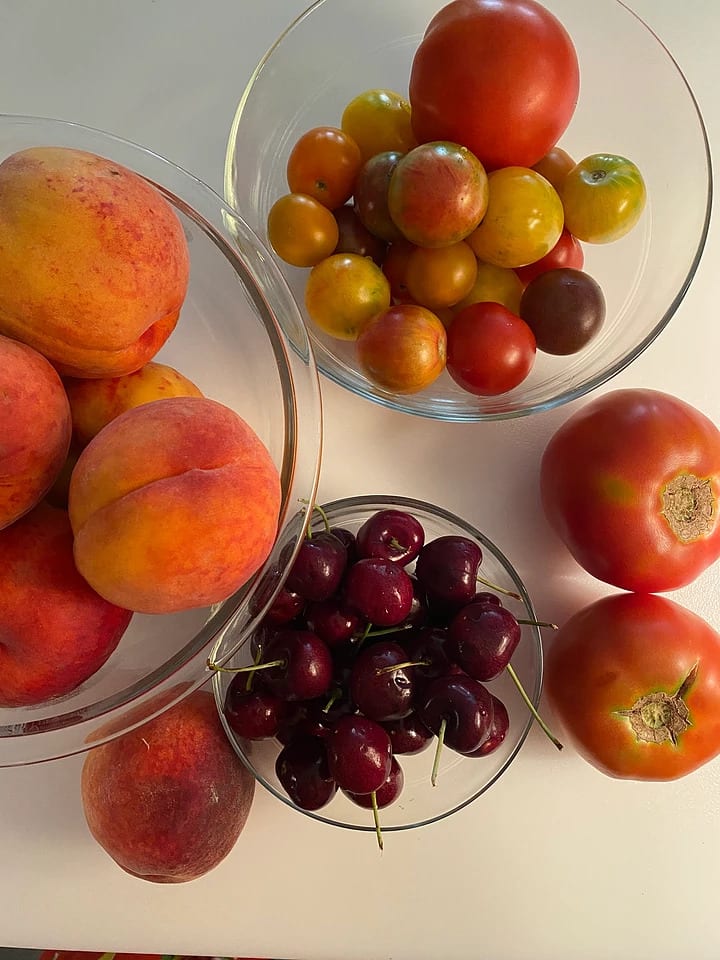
94	263
94	403
55	631
168	800
174	505
35	428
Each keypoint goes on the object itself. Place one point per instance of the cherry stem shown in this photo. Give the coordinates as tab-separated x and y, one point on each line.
251	673
333	697
365	634
384	631
376	818
494	586
401	666
438	751
325	519
540	623
249	669
531	706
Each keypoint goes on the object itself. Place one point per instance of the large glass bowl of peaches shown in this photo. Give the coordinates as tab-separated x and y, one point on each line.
158	428
477	205
395	676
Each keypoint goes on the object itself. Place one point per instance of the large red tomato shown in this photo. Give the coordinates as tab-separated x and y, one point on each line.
631	483
635	681
500	77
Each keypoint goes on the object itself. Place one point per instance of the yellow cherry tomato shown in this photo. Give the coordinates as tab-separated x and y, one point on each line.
494	285
379	120
344	292
524	218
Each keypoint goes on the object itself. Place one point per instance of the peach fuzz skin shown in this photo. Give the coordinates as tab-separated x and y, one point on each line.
94	403
94	263
35	428
168	800
174	505
55	631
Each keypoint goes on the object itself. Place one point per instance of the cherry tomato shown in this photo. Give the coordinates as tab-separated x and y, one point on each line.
403	349
378	121
635	681
554	166
499	284
500	76
324	164
395	267
439	277
564	308
438	194
371	195
354	237
567	252
603	196
490	350
301	230
631	483
343	292
523	222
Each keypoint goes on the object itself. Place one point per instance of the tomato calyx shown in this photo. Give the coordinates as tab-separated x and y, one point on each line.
660	716
688	505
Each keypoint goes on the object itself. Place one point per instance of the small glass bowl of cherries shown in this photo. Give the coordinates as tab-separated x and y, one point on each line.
396	674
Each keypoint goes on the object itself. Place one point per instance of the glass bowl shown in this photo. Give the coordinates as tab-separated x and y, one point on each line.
460	779
634	101
230	342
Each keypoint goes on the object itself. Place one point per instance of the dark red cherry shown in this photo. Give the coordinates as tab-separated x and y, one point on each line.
482	638
305	670
379	691
409	734
318	567
462	706
380	590
498	730
393	535
359	754
333	621
386	793
302	769
253	714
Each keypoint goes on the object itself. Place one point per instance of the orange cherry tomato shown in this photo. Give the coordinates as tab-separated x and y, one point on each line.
324	164
301	231
344	292
439	277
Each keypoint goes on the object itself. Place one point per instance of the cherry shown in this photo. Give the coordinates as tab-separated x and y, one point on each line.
253	714
287	606
391	535
386	793
447	567
333	621
380	590
304	668
458	710
408	734
482	638
302	769
427	646
378	690
346	537
498	730
359	754
484	596
318	567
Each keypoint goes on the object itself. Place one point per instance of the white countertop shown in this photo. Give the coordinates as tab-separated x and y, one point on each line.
556	862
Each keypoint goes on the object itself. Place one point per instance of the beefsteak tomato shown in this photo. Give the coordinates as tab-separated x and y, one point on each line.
634	679
631	484
500	77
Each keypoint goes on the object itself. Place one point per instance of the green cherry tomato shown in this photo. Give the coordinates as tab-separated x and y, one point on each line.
603	197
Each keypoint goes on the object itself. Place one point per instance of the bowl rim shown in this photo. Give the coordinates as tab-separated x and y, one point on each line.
396	402
334	510
212	214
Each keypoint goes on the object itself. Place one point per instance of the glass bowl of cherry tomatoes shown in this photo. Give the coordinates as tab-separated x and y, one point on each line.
530	195
396	674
